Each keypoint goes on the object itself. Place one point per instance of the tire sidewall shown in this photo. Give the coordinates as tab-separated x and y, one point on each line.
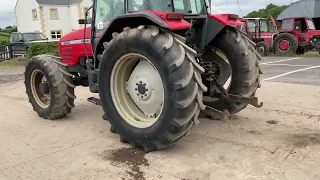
264	46
110	57
31	67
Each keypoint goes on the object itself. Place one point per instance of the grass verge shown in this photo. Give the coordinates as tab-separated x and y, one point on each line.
14	62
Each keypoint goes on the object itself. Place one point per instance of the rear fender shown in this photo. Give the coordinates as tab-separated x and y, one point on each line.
212	26
140	18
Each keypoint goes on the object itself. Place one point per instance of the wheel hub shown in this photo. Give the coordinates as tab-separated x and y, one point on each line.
143	86
284	45
44	88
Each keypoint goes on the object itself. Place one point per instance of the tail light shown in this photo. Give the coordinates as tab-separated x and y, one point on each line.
174	16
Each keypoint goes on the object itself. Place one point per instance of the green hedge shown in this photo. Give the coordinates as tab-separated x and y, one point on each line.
43	48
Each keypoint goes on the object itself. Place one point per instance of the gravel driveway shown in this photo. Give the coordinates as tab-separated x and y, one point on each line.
11	74
279	141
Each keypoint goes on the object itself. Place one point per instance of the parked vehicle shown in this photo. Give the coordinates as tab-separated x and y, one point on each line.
155	65
297	35
19	42
261	31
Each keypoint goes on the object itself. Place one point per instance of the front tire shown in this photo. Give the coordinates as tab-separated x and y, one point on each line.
49	87
262	48
180	76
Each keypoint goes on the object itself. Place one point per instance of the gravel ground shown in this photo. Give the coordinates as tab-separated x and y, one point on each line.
11	74
278	141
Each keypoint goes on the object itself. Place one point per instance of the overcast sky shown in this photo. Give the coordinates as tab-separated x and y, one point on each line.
7	16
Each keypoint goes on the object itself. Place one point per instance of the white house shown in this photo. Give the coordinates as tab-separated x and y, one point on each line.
54	18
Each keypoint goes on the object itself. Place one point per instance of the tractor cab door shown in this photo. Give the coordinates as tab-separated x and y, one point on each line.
300	28
105	12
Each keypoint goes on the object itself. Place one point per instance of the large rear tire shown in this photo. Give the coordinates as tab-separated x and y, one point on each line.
285	44
49	87
245	68
180	78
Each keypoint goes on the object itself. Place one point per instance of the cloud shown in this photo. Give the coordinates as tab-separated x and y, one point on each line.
7	16
246	6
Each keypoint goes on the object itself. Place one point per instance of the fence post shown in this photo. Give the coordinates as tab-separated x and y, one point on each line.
10	51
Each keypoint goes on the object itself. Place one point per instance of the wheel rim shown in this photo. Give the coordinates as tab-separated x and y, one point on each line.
227	84
38	79
284	45
137	90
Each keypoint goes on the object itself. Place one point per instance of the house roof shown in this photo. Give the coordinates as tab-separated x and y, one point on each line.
58	2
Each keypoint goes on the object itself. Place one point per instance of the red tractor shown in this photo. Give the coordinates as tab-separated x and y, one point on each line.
297	35
155	65
261	31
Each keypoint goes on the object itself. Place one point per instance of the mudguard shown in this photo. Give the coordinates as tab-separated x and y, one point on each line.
146	17
212	25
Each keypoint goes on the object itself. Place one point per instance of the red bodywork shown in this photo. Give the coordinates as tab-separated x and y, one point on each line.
226	20
302	38
257	36
72	47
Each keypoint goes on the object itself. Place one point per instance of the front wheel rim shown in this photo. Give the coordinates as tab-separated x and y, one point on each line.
42	99
284	45
137	90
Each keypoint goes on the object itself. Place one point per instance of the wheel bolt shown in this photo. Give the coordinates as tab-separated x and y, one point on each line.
140	82
137	94
145	94
136	89
137	84
141	96
147	89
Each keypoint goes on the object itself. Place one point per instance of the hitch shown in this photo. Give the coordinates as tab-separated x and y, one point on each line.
216	114
251	100
234	98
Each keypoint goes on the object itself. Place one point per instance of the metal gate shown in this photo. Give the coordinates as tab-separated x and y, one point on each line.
5	52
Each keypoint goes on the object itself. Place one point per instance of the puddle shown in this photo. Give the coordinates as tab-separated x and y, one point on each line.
134	158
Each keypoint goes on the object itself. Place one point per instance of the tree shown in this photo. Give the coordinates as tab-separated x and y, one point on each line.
271	9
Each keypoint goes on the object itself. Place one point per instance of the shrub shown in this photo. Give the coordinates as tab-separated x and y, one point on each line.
43	48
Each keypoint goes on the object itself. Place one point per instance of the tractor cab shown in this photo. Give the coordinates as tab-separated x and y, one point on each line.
260	31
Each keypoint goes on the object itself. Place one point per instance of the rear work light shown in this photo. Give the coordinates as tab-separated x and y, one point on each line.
174	16
233	16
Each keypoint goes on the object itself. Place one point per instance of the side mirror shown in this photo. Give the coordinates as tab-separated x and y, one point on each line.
84	21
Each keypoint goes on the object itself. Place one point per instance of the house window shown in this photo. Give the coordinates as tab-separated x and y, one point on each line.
56	34
34	14
54	14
